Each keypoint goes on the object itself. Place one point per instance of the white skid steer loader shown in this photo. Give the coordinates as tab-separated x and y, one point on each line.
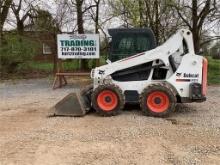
156	79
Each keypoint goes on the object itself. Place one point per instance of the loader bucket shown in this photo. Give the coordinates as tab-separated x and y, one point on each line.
71	105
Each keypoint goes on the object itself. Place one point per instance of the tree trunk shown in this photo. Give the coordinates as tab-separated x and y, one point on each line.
140	5
196	40
1	34
195	30
79	16
97	27
20	27
3	15
97	17
157	21
79	3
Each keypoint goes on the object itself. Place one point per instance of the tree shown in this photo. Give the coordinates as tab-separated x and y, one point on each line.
21	13
81	9
155	14
18	50
95	15
165	17
79	4
43	20
152	17
4	8
63	16
127	10
195	14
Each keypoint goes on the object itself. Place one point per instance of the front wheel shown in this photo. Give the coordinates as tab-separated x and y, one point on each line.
107	100
86	93
157	100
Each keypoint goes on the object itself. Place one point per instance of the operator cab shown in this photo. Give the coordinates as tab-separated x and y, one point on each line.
128	42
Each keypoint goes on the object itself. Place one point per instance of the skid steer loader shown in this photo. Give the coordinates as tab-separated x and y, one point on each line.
156	79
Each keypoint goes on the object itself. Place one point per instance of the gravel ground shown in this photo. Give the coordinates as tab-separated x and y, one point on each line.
27	136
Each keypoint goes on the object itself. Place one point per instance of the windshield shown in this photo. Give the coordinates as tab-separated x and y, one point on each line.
127	44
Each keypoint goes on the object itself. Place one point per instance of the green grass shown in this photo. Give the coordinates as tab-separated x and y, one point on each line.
213	71
41	66
68	65
48	66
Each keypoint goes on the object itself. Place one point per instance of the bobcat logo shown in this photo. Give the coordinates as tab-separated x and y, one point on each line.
178	74
101	72
191	75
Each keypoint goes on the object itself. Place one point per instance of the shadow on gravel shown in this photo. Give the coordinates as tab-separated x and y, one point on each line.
135	109
177	122
184	108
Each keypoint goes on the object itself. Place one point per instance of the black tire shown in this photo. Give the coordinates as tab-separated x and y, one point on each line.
118	95
86	94
158	100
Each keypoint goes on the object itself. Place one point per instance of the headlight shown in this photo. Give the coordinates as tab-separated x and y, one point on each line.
92	73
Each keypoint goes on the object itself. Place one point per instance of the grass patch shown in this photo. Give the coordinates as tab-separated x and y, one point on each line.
213	70
46	67
68	65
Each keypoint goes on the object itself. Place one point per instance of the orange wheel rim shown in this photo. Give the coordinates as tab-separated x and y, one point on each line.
107	100
158	101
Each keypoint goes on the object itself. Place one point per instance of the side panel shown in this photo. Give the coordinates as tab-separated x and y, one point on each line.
189	71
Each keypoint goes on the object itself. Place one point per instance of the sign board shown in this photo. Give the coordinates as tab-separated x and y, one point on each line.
78	46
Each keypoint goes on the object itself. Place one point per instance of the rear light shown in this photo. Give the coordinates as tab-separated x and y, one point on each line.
204	76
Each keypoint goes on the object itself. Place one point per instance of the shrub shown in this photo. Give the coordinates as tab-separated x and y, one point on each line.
17	50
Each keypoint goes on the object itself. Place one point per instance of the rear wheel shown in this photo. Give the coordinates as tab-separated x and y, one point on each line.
157	100
108	100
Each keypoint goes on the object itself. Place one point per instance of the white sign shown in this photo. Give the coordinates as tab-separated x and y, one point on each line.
78	46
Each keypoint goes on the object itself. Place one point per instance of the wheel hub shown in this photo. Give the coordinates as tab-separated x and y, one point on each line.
157	100
108	99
